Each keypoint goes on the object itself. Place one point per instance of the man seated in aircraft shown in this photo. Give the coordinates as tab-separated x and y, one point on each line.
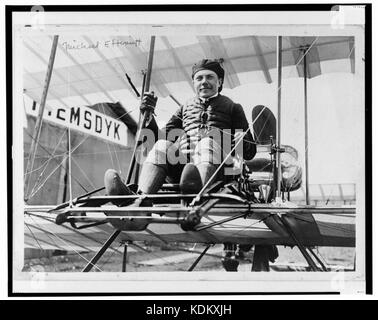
192	146
203	120
193	157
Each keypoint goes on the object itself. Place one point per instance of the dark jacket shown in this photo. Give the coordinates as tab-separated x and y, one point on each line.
221	113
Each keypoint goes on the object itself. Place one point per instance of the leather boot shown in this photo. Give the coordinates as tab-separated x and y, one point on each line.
190	181
206	171
115	186
151	178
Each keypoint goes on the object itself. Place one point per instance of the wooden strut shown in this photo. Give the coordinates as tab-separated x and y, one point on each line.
137	142
145	115
124	258
300	246
136	145
69	167
278	142
38	124
199	258
99	254
306	123
131	168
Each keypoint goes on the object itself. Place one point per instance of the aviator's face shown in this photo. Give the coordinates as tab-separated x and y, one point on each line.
206	83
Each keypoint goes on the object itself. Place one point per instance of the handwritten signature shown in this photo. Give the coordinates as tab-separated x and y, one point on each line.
113	43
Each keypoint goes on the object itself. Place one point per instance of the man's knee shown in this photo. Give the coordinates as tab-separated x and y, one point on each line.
208	150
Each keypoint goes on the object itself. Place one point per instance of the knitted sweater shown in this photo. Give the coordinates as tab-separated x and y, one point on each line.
199	118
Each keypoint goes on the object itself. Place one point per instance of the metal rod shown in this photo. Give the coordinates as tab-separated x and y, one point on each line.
199	258
306	127
279	83
39	120
76	200
302	249
220	222
124	259
91	225
62	189
70	167
126	216
99	254
163	196
215	210
197	251
127	210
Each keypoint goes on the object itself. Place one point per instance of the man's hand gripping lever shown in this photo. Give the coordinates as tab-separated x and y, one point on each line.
147	107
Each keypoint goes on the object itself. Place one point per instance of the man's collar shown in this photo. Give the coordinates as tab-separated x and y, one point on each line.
207	99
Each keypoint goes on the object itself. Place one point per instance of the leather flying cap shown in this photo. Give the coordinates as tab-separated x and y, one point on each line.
208	64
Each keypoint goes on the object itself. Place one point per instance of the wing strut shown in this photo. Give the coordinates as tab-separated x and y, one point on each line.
99	254
306	121
278	151
317	259
301	247
124	257
38	124
199	258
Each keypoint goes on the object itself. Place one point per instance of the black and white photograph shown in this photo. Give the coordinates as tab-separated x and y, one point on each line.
189	150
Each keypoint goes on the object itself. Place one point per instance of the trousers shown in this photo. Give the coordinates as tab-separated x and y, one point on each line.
168	156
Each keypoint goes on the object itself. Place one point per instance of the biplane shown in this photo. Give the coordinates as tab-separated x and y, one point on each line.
251	209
